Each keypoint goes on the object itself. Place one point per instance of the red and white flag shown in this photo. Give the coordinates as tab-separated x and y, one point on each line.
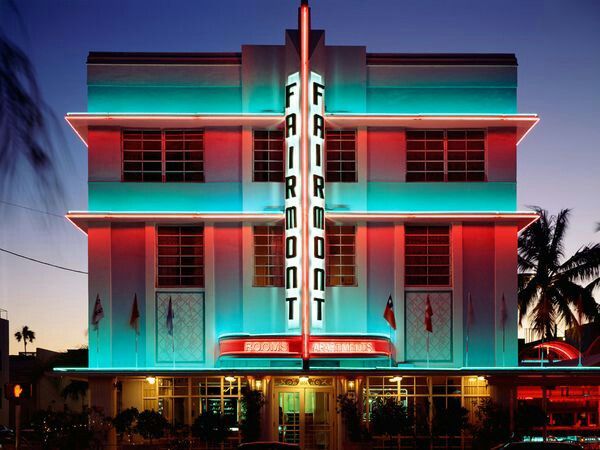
428	316
98	312
388	313
134	318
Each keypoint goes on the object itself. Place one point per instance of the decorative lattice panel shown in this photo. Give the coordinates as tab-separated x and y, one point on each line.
440	340
187	342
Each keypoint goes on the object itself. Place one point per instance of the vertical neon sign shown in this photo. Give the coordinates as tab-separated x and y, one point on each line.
293	203
316	200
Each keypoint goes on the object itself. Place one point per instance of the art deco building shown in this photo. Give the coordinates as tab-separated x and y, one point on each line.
263	206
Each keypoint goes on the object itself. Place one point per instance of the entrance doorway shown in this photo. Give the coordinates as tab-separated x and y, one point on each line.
305	415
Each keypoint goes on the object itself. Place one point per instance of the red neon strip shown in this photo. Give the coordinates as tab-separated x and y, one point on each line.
207	216
304	37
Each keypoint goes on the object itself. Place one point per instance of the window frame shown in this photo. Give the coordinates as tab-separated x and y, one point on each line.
446	161
427	284
269	276
179	255
328	255
339	171
268	161
163	155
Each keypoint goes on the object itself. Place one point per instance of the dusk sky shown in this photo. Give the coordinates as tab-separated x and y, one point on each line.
557	44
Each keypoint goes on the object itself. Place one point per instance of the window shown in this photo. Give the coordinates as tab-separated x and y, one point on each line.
450	155
341	255
340	146
163	155
268	256
427	256
268	155
180	256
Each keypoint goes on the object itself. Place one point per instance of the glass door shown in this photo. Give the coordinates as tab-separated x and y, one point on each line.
305	417
317	419
289	417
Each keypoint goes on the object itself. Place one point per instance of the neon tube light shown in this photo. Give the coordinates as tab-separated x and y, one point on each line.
304	43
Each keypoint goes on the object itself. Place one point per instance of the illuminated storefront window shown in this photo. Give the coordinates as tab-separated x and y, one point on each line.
182	399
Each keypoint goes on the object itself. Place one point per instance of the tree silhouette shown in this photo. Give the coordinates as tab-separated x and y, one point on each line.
25	335
549	283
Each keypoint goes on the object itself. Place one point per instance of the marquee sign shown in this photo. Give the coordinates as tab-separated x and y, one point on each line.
291	346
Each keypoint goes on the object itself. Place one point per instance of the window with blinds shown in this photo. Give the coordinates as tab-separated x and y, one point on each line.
268	256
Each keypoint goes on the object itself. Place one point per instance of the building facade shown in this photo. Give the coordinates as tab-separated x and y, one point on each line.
261	208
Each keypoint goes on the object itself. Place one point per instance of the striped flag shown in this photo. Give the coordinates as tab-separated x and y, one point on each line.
98	312
428	316
388	313
170	317
134	321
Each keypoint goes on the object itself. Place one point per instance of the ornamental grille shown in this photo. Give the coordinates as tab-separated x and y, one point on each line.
187	342
440	340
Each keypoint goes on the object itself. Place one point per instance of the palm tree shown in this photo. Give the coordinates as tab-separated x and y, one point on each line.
549	289
27	125
75	390
25	335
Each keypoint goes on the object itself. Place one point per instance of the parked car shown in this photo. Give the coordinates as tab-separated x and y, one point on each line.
542	446
268	446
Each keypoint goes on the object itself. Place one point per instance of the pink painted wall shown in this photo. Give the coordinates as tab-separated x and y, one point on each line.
104	154
380	275
223	154
386	155
502	155
478	279
128	277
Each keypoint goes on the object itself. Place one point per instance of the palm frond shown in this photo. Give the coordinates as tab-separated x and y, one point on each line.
528	293
583	265
560	224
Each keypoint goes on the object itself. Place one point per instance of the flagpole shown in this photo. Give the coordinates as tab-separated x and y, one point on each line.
173	340
97	345
136	349
392	345
428	349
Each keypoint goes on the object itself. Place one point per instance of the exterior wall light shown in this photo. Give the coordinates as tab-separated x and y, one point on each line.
396	379
350	384
230	379
303	380
258	384
150	379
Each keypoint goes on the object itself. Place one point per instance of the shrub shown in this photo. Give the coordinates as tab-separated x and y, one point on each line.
351	417
210	427
450	421
388	416
151	424
124	421
492	425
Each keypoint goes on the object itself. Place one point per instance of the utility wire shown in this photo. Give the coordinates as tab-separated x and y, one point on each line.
42	262
31	209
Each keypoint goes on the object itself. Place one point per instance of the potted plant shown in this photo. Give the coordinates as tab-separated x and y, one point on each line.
151	425
389	417
351	418
124	422
211	428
